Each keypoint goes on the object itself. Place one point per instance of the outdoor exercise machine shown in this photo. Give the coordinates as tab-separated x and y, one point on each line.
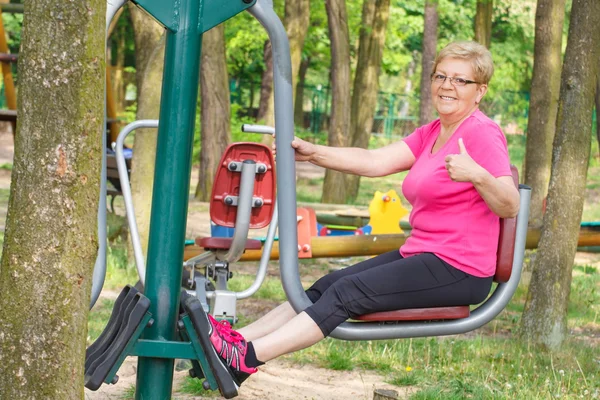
164	323
171	324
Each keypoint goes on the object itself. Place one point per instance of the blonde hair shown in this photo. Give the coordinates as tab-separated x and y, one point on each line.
479	56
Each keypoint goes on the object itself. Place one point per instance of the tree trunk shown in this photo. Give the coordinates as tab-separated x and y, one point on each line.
598	110
265	105
429	49
296	21
51	242
410	71
334	187
545	316
119	80
215	129
543	105
366	82
149	56
483	22
299	101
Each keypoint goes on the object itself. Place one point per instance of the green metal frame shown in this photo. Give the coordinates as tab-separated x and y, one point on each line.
186	21
211	12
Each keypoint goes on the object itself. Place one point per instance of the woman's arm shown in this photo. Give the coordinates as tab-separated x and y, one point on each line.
386	160
500	193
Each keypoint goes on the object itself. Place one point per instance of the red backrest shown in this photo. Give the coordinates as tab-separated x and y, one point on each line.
506	243
227	183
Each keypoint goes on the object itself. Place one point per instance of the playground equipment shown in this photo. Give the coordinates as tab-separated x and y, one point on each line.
385	213
164	323
243	197
171	334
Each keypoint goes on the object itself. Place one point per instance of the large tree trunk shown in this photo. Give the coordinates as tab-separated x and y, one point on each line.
118	79
429	49
51	241
296	21
545	316
265	104
215	127
543	106
299	100
598	110
483	22
149	55
334	187
366	82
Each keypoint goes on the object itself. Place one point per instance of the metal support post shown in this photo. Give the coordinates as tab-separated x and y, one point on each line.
170	196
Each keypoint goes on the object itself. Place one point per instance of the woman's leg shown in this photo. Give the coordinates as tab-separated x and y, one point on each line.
419	281
269	322
275	318
300	332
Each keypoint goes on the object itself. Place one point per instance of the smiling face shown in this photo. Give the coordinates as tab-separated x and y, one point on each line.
454	103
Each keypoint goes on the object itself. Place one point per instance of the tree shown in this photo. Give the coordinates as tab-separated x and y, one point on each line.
483	22
149	56
545	315
366	82
215	128
51	239
296	21
598	108
334	185
543	105
428	58
265	104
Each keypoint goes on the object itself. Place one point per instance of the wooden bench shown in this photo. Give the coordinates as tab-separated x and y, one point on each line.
112	176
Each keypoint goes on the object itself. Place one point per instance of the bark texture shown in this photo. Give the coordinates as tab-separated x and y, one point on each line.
375	16
296	21
215	127
334	186
543	105
483	22
265	105
545	317
429	49
51	236
149	56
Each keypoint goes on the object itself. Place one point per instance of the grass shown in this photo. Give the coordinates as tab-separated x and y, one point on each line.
490	363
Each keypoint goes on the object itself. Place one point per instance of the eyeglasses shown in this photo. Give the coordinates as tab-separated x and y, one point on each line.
440	79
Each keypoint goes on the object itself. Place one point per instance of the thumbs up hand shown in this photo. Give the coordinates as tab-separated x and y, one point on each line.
461	167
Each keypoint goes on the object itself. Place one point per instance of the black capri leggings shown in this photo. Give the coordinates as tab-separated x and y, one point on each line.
390	282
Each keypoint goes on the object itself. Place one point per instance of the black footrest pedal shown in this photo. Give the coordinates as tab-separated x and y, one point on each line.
124	326
193	308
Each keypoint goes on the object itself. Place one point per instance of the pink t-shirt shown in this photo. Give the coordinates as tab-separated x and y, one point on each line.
451	219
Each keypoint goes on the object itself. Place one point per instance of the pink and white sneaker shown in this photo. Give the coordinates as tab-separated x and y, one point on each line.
231	348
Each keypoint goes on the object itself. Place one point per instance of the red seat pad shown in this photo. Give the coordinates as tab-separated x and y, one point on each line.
418	314
218	243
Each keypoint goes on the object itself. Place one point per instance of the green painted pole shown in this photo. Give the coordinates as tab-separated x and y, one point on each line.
171	191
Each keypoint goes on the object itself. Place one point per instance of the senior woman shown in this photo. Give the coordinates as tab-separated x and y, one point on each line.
459	184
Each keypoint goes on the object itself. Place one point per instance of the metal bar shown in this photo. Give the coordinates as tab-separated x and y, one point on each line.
479	317
112	6
264	259
264	129
126	189
286	168
244	209
171	193
163	349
